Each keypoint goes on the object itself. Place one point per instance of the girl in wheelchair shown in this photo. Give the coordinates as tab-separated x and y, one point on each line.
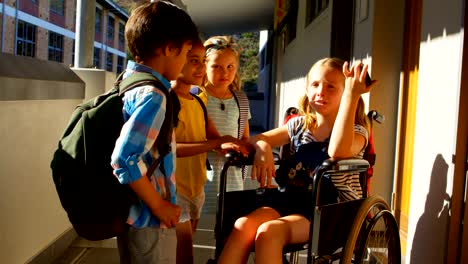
332	114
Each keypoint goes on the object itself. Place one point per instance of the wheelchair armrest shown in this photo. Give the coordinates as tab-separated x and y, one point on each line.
236	159
330	166
344	165
276	157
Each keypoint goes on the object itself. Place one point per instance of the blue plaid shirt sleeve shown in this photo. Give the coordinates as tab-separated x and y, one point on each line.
144	112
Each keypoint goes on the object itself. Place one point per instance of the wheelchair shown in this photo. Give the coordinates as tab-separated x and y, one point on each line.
357	231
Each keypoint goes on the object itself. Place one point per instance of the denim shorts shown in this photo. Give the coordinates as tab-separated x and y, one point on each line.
148	245
190	209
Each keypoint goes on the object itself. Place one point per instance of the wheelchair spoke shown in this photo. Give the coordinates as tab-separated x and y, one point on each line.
374	237
380	245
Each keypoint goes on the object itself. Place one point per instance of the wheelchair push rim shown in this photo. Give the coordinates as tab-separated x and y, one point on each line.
374	236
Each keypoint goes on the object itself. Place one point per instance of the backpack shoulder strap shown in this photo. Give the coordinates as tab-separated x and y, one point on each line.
243	104
175	107
138	79
205	111
164	139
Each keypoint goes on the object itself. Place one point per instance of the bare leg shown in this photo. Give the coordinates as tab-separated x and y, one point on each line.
241	239
122	245
272	236
184	243
194	223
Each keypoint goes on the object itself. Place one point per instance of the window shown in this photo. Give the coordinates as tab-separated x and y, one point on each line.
109	61
26	39
57	6
120	64
97	58
110	28
314	8
97	21
289	24
73	54
121	35
55	47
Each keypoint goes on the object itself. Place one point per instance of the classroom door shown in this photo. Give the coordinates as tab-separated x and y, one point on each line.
405	153
457	248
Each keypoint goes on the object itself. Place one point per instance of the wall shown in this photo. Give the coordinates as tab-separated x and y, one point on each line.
32	122
377	41
436	126
311	43
382	49
35	216
97	81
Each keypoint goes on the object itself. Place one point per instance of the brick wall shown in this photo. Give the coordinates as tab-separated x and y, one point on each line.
44	9
116	33
67	51
42	34
42	41
9	45
70	14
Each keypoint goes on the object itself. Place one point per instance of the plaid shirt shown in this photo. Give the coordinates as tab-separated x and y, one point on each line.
143	111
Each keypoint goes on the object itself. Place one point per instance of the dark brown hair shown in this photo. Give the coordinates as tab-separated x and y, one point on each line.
155	25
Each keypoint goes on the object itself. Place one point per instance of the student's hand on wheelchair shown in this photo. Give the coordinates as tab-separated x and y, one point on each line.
263	168
230	143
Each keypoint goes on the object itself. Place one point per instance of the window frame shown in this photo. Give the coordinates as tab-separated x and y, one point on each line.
120	64
109	63
110	33
28	39
55	9
97	57
121	35
288	26
314	9
55	47
98	19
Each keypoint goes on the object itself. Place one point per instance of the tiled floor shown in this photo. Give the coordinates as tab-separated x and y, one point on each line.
105	252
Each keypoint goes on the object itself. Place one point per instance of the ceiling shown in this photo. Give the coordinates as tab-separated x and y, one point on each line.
224	17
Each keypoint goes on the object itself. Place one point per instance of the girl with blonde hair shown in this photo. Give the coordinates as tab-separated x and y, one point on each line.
227	106
331	114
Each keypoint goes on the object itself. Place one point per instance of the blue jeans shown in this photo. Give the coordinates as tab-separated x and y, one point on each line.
148	245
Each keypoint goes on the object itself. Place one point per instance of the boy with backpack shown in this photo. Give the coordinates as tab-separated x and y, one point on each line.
159	35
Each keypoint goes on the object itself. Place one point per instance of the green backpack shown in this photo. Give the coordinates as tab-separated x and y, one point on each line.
97	204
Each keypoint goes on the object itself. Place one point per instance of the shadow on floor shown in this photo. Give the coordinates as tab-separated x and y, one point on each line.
105	252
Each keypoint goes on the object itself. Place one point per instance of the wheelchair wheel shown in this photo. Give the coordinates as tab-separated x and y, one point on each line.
374	236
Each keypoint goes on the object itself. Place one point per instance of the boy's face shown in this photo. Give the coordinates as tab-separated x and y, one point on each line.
194	68
176	60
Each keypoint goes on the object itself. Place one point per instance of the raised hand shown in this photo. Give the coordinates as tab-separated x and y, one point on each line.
356	78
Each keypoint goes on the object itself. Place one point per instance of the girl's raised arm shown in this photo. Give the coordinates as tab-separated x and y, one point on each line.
344	143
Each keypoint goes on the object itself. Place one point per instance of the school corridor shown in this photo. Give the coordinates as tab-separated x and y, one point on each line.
417	50
105	252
